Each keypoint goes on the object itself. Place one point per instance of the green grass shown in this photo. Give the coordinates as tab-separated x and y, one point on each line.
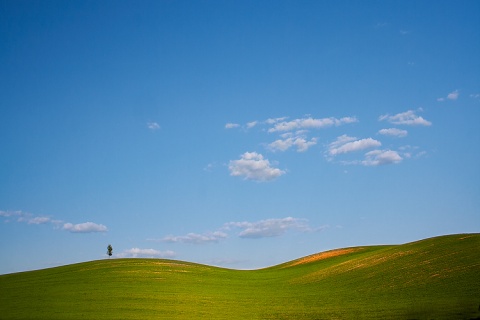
437	278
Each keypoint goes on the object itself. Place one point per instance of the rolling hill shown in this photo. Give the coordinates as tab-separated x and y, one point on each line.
437	278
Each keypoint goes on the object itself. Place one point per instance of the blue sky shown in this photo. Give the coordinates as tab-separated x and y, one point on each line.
234	133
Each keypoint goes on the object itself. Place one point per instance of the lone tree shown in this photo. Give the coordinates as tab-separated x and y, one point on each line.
109	250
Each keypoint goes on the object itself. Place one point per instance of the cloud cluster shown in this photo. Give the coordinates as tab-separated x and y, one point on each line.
381	157
289	140
310	123
86	227
475	96
346	144
409	118
245	229
25	217
145	253
296	134
394	132
269	227
253	166
292	134
195	238
451	96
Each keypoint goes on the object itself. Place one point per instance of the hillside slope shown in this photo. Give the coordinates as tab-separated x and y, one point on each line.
437	278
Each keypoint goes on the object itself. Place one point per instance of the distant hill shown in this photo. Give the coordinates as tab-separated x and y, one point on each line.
437	278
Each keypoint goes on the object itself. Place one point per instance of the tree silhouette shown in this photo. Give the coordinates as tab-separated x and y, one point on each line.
109	250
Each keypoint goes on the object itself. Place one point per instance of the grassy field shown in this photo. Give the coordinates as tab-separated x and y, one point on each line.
437	278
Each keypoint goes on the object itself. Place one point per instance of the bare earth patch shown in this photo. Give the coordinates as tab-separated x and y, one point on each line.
323	255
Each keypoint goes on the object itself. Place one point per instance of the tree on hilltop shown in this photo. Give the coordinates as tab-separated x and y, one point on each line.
109	250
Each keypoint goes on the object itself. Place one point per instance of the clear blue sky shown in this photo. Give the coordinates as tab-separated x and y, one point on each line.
234	133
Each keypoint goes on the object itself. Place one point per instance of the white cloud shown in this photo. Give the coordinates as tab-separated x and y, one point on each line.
394	132
405	118
310	123
195	238
25	217
252	124
408	152
252	166
8	214
209	167
29	218
281	145
475	96
303	145
270	227
258	229
381	25
153	126
345	144
341	140
38	220
453	95
381	157
86	227
275	120
150	253
300	142
231	125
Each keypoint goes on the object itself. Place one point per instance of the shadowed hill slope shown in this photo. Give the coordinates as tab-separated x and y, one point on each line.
437	278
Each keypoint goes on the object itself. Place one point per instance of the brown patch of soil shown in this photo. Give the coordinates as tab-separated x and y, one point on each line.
322	256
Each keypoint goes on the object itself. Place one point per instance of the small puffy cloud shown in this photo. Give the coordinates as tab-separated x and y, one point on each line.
209	167
381	157
275	120
231	125
281	144
394	132
26	217
147	253
405	118
38	220
270	227
258	229
300	142
252	166
341	140
252	124
381	25
153	126
87	227
310	123
303	145
346	144
195	238
475	95
408	152
7	214
453	95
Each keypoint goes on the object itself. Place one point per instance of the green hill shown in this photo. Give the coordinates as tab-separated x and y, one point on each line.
437	278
